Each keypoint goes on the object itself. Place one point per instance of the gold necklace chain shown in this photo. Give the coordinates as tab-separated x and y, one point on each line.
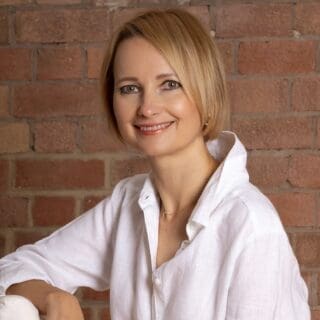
165	213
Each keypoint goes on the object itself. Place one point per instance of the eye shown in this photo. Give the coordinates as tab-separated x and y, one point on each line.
129	89
171	85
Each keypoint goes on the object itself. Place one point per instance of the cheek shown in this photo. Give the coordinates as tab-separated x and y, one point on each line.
123	111
118	108
184	108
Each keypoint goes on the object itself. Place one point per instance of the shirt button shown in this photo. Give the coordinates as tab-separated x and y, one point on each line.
157	281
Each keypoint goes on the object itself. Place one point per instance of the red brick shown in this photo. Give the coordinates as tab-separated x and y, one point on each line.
258	95
87	313
121	169
51	100
2	245
308	279
4	27
55	136
15	64
14	137
295	209
122	3
28	237
105	314
63	25
95	58
318	134
89	294
318	288
58	2
303	171
307	18
306	94
59	174
275	133
308	249
13	212
277	57
90	202
201	13
268	171
315	314
14	2
242	20
123	15
4	101
53	211
4	175
95	137
59	63
226	50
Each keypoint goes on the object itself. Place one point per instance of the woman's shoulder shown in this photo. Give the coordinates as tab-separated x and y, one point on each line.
129	188
250	208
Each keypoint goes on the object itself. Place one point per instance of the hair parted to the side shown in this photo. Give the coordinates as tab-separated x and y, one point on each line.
192	54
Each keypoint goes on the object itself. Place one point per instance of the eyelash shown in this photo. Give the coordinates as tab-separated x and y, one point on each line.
127	89
176	83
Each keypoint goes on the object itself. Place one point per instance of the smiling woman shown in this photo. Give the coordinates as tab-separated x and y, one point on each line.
184	44
192	239
152	111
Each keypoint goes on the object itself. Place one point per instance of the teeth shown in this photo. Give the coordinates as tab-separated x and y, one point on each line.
155	127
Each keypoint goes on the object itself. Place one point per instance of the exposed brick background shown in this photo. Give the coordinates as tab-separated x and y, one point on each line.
57	158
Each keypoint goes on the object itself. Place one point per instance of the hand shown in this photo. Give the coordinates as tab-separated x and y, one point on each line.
61	305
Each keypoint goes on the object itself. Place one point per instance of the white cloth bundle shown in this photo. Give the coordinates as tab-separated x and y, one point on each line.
13	307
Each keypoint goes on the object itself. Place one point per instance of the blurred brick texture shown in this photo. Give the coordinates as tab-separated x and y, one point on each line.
57	158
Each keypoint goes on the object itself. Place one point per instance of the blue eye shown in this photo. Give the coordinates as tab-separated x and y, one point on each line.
171	85
128	89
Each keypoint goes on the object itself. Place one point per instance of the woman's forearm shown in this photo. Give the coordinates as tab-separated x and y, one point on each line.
53	302
36	291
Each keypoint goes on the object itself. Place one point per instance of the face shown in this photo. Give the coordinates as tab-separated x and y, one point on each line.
153	112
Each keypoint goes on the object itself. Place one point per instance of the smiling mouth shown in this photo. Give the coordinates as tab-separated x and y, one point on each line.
153	129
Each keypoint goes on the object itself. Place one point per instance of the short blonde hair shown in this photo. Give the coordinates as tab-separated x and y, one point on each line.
192	54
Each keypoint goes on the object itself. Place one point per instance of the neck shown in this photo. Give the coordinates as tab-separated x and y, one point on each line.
180	178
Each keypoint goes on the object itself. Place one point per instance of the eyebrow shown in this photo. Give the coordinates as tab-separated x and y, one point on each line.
159	76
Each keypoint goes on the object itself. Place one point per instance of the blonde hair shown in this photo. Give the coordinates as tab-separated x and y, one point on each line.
191	53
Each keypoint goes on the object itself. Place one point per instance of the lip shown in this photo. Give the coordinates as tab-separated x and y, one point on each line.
153	128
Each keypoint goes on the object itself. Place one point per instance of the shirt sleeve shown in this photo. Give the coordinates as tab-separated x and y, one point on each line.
267	284
78	254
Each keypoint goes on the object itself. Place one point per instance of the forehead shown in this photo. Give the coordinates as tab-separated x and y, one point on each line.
136	56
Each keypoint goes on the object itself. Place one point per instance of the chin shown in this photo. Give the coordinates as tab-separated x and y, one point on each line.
155	150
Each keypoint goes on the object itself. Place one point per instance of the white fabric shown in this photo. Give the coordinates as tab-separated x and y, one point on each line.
236	265
14	307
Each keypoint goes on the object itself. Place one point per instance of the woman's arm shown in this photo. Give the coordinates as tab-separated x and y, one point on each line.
267	284
50	271
77	255
53	302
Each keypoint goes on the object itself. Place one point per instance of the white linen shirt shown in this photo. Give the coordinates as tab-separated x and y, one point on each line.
237	263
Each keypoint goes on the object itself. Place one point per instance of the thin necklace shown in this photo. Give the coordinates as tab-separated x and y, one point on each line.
166	213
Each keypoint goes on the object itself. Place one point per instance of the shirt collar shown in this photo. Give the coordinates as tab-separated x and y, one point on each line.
231	154
148	194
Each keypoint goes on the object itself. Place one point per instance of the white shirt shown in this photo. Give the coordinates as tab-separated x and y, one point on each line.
237	263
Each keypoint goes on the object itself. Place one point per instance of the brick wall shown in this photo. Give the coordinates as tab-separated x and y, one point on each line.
57	159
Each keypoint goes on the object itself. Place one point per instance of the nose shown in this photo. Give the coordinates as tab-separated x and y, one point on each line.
149	104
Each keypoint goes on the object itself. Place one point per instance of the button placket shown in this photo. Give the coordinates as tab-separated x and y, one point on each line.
158	294
157	281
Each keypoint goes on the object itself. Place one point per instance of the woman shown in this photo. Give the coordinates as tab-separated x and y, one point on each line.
193	239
